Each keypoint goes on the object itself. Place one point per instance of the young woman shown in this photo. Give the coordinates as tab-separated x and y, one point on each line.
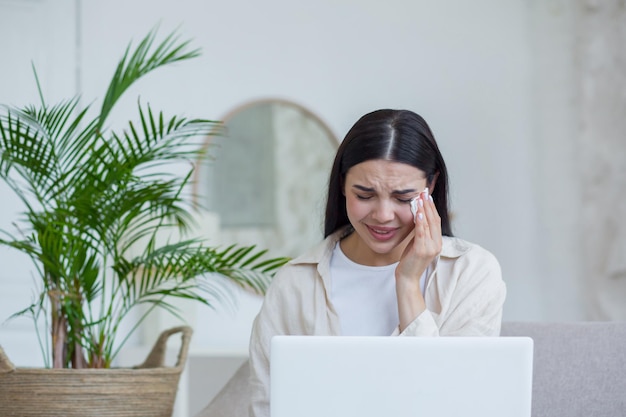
383	268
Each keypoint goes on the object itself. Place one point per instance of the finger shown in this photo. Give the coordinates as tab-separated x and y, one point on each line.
420	220
426	241
433	219
424	234
421	214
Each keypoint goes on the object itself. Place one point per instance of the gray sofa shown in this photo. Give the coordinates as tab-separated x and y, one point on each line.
579	370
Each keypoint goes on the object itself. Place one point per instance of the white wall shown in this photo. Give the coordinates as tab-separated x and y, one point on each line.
491	77
555	168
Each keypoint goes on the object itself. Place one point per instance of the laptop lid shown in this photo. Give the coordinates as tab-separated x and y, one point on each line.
313	376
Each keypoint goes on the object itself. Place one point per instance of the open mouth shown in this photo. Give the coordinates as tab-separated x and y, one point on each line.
382	233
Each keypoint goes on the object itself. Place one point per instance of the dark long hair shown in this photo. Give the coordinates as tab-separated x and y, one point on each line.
392	135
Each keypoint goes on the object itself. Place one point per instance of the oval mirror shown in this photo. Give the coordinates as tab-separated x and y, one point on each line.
267	177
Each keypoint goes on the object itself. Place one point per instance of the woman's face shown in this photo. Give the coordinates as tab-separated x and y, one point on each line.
378	194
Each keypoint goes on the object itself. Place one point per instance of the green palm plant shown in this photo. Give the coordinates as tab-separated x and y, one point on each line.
90	194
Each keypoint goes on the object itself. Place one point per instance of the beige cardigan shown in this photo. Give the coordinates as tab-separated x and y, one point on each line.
464	297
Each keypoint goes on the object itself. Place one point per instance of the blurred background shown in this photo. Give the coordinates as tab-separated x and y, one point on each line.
527	99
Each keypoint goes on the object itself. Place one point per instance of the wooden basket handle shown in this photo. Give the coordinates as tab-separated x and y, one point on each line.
156	357
6	365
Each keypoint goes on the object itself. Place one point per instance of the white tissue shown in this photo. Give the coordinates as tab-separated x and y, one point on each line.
414	208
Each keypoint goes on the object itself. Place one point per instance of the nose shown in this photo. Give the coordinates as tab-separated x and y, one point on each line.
383	212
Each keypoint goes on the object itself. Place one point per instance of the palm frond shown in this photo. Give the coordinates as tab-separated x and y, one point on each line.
39	144
135	65
26	151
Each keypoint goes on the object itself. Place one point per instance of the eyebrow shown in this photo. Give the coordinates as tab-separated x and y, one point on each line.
395	192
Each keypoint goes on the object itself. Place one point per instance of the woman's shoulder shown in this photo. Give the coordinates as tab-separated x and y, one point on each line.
471	267
457	249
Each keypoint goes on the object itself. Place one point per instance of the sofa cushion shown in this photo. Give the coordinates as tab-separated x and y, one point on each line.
579	367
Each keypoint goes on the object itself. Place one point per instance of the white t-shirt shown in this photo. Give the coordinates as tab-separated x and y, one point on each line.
364	296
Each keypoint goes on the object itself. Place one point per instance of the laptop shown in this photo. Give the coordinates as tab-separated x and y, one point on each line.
354	376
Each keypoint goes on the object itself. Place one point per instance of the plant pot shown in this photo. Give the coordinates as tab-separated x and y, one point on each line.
147	390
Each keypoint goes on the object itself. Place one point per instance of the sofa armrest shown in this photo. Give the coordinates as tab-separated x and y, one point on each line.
232	400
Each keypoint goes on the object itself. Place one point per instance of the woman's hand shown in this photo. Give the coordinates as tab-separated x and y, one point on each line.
418	254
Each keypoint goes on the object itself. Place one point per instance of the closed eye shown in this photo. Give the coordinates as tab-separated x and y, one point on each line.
405	193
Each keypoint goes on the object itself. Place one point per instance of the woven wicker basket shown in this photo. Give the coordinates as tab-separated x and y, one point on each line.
148	390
